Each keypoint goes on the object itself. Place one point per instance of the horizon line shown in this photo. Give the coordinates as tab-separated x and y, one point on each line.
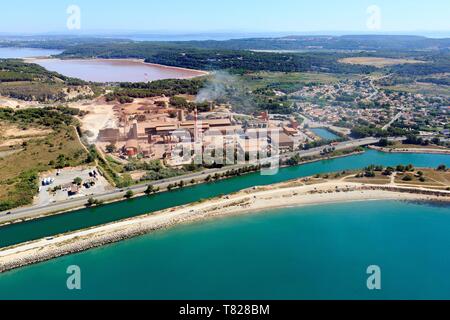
241	34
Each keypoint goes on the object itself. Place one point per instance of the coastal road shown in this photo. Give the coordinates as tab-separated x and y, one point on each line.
76	203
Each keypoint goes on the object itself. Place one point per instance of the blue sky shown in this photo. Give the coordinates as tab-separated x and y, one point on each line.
183	16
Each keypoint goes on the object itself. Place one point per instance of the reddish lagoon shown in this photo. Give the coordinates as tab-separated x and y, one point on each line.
115	70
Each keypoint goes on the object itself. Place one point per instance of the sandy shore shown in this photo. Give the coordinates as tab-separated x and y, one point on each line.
195	72
289	194
411	150
142	61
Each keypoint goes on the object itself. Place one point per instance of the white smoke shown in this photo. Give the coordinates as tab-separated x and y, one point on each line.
217	87
229	89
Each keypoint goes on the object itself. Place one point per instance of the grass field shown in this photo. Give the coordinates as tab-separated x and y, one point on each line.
19	171
427	178
378	179
399	145
378	62
421	88
290	82
31	90
12	136
431	178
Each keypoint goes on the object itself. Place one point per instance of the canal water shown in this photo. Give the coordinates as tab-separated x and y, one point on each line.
325	134
18	233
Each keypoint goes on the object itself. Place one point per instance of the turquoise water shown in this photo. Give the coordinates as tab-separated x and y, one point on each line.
325	134
17	53
95	216
319	252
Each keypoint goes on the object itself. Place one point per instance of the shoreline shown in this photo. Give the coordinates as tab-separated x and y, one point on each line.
199	73
410	150
296	193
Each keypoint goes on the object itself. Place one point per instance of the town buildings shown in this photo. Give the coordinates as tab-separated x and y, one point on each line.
151	129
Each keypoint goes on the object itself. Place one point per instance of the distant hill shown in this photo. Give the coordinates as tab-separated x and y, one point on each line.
31	82
356	42
320	53
319	42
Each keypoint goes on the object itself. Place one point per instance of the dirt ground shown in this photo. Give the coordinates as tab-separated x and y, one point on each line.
378	62
16	103
11	131
101	115
11	135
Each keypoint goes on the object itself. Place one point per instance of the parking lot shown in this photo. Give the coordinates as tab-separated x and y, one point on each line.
62	187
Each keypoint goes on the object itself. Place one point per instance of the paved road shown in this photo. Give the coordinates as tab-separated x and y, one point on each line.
32	212
372	84
398	116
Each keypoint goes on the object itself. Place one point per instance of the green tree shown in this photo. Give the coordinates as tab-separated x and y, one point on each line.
179	102
436	141
61	161
92	202
389	171
293	161
407	178
129	194
111	148
384	142
150	190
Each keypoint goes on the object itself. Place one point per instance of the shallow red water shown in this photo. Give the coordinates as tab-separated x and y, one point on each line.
102	70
